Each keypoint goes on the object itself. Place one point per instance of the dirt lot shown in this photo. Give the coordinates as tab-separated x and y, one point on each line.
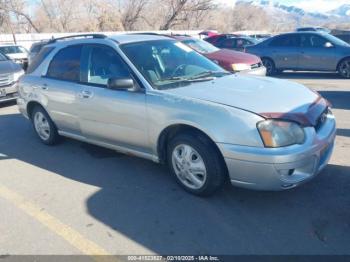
76	198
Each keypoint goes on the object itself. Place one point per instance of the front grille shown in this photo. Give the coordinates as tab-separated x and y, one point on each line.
321	119
257	65
6	79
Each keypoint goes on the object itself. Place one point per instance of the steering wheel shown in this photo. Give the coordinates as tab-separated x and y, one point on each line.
178	68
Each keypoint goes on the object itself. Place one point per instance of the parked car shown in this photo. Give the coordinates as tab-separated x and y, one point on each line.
10	72
314	29
230	60
35	49
154	97
260	37
217	39
304	51
15	52
237	43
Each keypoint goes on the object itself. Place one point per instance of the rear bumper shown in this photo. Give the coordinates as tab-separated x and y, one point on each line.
280	168
260	71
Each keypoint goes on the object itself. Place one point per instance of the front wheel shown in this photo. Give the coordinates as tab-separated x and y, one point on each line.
196	164
269	65
344	68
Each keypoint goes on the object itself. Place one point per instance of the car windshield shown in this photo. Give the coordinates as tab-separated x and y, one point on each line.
253	41
336	40
200	46
169	64
12	49
3	58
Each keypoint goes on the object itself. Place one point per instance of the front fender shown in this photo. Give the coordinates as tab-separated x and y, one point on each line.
223	124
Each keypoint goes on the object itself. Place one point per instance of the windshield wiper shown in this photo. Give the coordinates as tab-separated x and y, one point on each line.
203	76
207	74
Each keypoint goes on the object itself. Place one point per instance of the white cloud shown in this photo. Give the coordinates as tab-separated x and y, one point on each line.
320	5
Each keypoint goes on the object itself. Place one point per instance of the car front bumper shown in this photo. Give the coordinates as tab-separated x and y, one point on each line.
280	168
8	93
260	71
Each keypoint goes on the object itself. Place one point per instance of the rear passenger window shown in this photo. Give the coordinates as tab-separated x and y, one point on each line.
39	58
286	41
229	43
66	64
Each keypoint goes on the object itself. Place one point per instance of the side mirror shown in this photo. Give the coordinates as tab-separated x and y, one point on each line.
328	45
120	83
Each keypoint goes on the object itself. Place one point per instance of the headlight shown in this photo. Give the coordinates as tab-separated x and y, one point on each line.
276	133
240	67
17	75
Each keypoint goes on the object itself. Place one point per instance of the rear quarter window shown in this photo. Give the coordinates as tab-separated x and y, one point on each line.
39	58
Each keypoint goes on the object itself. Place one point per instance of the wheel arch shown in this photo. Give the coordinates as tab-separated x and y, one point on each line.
268	57
171	131
31	105
341	60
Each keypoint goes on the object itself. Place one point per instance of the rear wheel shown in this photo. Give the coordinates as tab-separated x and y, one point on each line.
270	66
44	127
196	164
344	68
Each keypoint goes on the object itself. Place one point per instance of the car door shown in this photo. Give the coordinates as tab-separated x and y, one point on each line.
115	117
59	88
285	51
315	54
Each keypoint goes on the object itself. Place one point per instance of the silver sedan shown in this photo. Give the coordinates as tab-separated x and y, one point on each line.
304	51
156	98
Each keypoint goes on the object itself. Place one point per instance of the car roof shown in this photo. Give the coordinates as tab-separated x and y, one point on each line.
132	38
304	32
119	38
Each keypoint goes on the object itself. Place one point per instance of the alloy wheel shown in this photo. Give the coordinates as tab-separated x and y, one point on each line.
344	68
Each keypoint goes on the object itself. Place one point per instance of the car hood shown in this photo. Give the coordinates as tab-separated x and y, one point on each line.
267	97
8	66
233	57
17	56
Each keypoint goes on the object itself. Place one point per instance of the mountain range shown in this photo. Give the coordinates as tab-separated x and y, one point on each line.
340	14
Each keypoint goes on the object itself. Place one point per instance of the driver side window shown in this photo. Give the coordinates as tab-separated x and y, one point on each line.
101	63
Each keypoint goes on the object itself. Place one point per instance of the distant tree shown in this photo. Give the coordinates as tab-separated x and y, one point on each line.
16	8
131	13
177	12
249	17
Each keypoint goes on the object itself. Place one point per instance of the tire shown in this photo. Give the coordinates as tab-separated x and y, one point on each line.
278	71
188	153
344	68
270	66
44	127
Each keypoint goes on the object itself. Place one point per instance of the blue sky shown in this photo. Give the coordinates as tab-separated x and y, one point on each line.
308	5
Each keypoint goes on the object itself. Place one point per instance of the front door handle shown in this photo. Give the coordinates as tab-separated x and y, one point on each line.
86	94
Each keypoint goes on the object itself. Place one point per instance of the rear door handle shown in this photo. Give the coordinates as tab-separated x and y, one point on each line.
86	94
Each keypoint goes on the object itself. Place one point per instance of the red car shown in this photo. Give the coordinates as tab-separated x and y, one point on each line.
230	60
